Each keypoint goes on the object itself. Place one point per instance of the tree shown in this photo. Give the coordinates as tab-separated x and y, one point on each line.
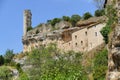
99	13
66	18
87	15
55	20
1	60
74	19
9	55
99	4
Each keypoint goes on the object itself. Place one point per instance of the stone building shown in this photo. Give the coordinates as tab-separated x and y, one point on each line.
84	37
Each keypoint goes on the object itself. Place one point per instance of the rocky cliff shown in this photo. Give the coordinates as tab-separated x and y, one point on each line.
114	49
114	55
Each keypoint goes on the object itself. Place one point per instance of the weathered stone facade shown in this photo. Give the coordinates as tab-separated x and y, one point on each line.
84	37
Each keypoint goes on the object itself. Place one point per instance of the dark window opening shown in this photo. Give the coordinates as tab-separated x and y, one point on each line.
75	36
86	33
81	42
75	44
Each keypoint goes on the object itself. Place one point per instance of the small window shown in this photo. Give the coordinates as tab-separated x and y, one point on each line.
86	33
75	36
81	42
95	33
69	44
76	44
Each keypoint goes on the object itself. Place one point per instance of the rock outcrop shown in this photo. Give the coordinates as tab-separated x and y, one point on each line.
114	55
114	48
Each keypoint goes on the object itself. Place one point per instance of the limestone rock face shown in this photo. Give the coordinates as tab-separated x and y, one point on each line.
114	76
114	56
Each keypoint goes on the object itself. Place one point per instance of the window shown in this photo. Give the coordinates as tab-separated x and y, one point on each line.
81	42
86	33
69	44
95	33
75	36
75	44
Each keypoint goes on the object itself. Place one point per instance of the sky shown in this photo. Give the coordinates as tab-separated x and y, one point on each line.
11	17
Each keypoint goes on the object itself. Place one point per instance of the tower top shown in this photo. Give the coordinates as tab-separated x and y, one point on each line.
27	12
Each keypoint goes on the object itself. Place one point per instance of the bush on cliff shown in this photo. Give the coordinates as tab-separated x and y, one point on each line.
49	64
5	73
100	65
87	15
99	13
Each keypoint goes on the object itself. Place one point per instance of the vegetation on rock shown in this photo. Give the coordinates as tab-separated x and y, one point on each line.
29	28
5	73
100	65
50	64
87	15
99	13
112	19
75	19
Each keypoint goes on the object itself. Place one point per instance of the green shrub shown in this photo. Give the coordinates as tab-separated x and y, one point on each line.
54	21
37	31
24	77
50	64
8	56
87	15
99	13
29	28
105	31
112	19
5	73
100	65
1	60
74	19
66	18
100	73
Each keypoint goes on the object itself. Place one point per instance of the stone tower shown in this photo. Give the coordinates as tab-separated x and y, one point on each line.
27	21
